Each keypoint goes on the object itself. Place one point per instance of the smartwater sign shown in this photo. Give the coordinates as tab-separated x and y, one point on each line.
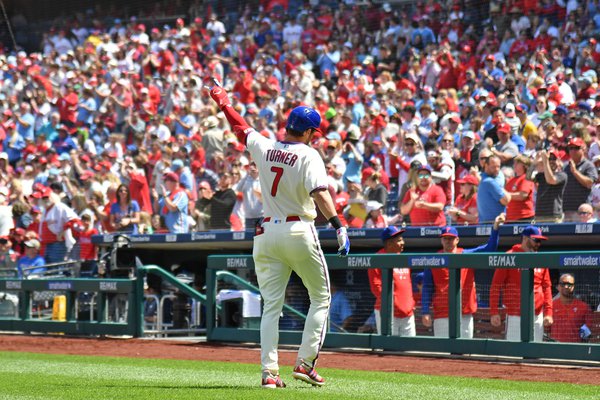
580	260
427	261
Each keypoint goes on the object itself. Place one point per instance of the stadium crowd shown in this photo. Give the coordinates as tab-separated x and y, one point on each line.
434	113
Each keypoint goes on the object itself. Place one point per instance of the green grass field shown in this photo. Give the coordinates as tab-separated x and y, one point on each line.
43	376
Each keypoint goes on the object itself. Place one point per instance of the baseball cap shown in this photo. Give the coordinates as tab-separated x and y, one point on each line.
171	176
35	210
469	134
302	118
561	110
503	127
34	243
390	232
177	165
533	232
522	108
576	142
509	110
455	118
413	137
424	168
449	231
373	205
468	179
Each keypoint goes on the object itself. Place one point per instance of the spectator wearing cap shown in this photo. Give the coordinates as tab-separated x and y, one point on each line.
31	263
403	319
526	126
249	188
88	251
172	204
212	138
56	223
411	151
581	175
492	199
586	214
505	148
464	210
49	129
64	143
138	183
186	178
8	257
67	106
425	202
13	146
436	283
221	202
352	154
521	208
508	282
442	169
468	156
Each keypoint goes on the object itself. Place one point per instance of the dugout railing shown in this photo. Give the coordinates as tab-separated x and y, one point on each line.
527	262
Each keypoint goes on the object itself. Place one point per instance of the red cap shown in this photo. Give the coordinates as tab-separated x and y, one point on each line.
85	158
555	153
503	127
539	66
85	175
196	138
112	154
141	27
490	57
470	179
576	142
455	118
43	160
171	176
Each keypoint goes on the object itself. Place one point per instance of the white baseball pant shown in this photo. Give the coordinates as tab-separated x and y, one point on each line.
513	328
282	248
441	327
400	326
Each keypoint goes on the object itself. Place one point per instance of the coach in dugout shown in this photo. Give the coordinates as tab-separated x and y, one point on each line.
403	323
509	282
436	282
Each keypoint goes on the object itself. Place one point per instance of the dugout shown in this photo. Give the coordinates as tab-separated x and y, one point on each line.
189	252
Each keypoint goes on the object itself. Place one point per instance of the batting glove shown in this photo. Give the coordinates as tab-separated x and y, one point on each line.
219	95
343	241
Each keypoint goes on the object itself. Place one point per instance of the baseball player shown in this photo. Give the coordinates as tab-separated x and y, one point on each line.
292	179
436	282
403	323
509	281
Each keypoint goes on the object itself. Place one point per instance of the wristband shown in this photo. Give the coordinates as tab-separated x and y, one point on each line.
335	222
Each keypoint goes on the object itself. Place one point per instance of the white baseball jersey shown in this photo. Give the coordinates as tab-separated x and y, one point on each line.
289	172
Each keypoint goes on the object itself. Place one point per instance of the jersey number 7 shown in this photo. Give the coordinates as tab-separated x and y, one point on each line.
278	173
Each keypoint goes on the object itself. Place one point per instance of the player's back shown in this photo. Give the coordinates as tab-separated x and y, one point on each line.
288	173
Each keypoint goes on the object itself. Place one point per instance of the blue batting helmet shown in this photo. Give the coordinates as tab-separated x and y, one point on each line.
302	118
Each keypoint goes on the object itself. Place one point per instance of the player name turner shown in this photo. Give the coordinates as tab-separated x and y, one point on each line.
280	156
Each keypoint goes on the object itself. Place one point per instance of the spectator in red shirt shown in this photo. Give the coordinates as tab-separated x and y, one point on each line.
88	252
464	210
521	207
403	321
509	282
572	317
425	202
67	106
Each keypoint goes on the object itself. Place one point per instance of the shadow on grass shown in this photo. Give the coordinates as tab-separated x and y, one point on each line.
171	387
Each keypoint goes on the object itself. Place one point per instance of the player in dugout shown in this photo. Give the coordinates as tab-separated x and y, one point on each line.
292	179
436	283
508	281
